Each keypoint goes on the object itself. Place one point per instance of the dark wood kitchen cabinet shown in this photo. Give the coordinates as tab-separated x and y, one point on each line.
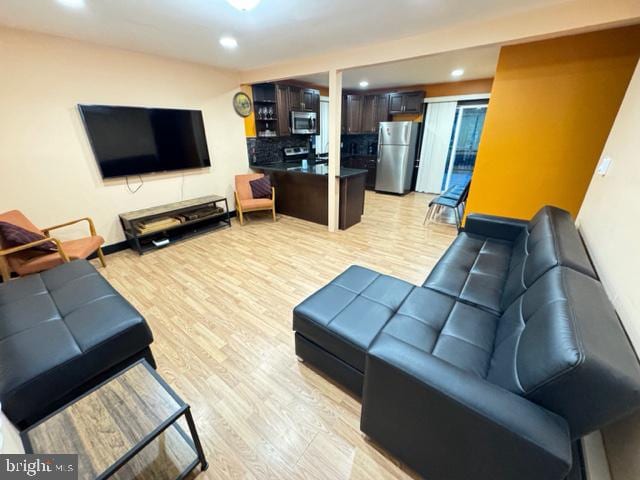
406	102
371	164
363	162
295	98
413	102
395	103
282	105
354	113
375	109
368	122
382	110
304	195
303	99
310	100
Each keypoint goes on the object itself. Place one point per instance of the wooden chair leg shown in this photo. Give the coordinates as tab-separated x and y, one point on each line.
4	270
238	208
101	257
273	203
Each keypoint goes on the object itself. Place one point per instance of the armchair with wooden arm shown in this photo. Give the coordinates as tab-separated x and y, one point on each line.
92	232
24	260
4	264
244	197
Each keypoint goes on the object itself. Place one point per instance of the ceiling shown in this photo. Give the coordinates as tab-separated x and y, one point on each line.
477	63
273	32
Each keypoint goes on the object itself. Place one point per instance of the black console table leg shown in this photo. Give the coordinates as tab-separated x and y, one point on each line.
226	206
196	440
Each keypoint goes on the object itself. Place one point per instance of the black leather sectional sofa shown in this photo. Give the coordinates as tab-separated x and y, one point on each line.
62	332
508	352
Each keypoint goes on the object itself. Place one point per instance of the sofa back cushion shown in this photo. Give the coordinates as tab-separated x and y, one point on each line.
550	239
562	346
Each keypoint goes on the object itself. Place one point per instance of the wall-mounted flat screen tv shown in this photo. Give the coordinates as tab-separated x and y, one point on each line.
133	140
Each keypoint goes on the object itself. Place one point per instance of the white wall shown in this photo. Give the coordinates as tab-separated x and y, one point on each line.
609	221
47	168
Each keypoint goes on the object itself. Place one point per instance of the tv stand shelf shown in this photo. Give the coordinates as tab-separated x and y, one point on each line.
152	228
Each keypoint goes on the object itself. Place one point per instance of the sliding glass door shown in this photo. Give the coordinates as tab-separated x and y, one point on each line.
452	131
464	144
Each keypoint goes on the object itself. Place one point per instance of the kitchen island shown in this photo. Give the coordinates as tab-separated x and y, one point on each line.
302	192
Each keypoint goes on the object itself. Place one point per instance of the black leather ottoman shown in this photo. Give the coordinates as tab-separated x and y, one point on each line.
336	325
62	331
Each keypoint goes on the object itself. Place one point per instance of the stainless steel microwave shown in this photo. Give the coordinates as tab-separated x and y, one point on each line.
303	123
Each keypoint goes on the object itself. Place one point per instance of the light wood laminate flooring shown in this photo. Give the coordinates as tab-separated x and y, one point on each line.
220	308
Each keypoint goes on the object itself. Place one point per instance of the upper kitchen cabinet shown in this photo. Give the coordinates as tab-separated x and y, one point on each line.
295	98
282	102
354	113
375	109
382	109
406	102
310	100
303	99
369	124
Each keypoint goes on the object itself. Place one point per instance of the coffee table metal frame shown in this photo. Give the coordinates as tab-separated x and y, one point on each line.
185	409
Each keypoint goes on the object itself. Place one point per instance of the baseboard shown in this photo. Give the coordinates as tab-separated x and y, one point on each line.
123	245
113	248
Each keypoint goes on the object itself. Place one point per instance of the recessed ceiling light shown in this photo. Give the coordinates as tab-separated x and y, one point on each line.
72	3
364	84
244	5
228	42
457	72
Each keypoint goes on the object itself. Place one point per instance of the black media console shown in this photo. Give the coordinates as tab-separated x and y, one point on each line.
156	227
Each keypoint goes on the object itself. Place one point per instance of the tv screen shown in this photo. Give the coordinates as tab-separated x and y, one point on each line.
133	140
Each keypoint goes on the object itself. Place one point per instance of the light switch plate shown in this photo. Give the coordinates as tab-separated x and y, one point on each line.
603	166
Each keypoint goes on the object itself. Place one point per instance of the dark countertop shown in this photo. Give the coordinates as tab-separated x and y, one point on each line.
317	168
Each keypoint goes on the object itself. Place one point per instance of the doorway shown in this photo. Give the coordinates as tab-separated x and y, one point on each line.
451	135
463	149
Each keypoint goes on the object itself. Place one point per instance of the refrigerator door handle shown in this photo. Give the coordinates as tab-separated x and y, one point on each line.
379	153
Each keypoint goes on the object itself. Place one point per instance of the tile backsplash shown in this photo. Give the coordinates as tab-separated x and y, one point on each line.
269	150
360	142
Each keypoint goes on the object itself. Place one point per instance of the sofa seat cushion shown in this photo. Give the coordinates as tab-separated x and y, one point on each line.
58	330
453	331
346	315
474	269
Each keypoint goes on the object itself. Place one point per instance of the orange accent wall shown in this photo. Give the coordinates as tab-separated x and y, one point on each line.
250	121
552	105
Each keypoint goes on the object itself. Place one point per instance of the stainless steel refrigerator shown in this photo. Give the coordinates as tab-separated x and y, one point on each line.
396	156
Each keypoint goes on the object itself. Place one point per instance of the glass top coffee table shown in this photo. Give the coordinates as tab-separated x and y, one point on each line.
126	427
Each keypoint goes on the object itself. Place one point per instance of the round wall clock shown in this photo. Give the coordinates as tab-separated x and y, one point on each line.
242	104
